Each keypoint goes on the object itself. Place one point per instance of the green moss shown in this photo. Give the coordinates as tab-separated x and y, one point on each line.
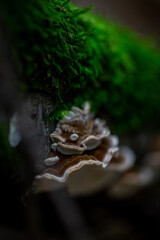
76	56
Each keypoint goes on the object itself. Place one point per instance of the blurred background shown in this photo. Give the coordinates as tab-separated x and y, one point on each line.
142	16
101	215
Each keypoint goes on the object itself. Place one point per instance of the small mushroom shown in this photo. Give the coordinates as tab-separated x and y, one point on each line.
51	161
74	137
54	146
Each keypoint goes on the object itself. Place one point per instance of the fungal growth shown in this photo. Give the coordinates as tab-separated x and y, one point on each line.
91	179
131	182
123	160
78	140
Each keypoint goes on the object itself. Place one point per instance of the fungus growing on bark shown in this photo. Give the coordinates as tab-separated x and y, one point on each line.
78	140
79	132
90	179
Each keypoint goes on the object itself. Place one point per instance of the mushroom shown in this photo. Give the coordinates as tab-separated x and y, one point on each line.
131	183
78	140
79	132
51	161
91	179
66	164
122	160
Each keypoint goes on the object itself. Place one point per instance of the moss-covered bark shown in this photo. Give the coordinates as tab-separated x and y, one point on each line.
76	56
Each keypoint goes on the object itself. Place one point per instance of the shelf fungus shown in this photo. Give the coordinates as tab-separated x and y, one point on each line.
91	179
123	160
78	140
131	182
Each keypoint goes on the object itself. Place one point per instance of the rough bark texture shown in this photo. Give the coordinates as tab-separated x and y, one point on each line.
34	128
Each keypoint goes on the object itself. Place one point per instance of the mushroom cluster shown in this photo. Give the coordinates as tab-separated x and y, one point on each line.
84	143
78	140
91	179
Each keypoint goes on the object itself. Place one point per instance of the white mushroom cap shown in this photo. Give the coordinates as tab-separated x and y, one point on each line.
51	161
114	140
54	146
74	137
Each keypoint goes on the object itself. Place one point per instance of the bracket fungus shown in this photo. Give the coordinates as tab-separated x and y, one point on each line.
131	182
78	140
91	179
123	160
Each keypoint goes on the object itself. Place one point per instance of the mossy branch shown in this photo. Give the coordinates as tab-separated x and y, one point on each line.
76	56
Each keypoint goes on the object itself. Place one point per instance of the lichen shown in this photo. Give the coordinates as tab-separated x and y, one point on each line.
75	56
